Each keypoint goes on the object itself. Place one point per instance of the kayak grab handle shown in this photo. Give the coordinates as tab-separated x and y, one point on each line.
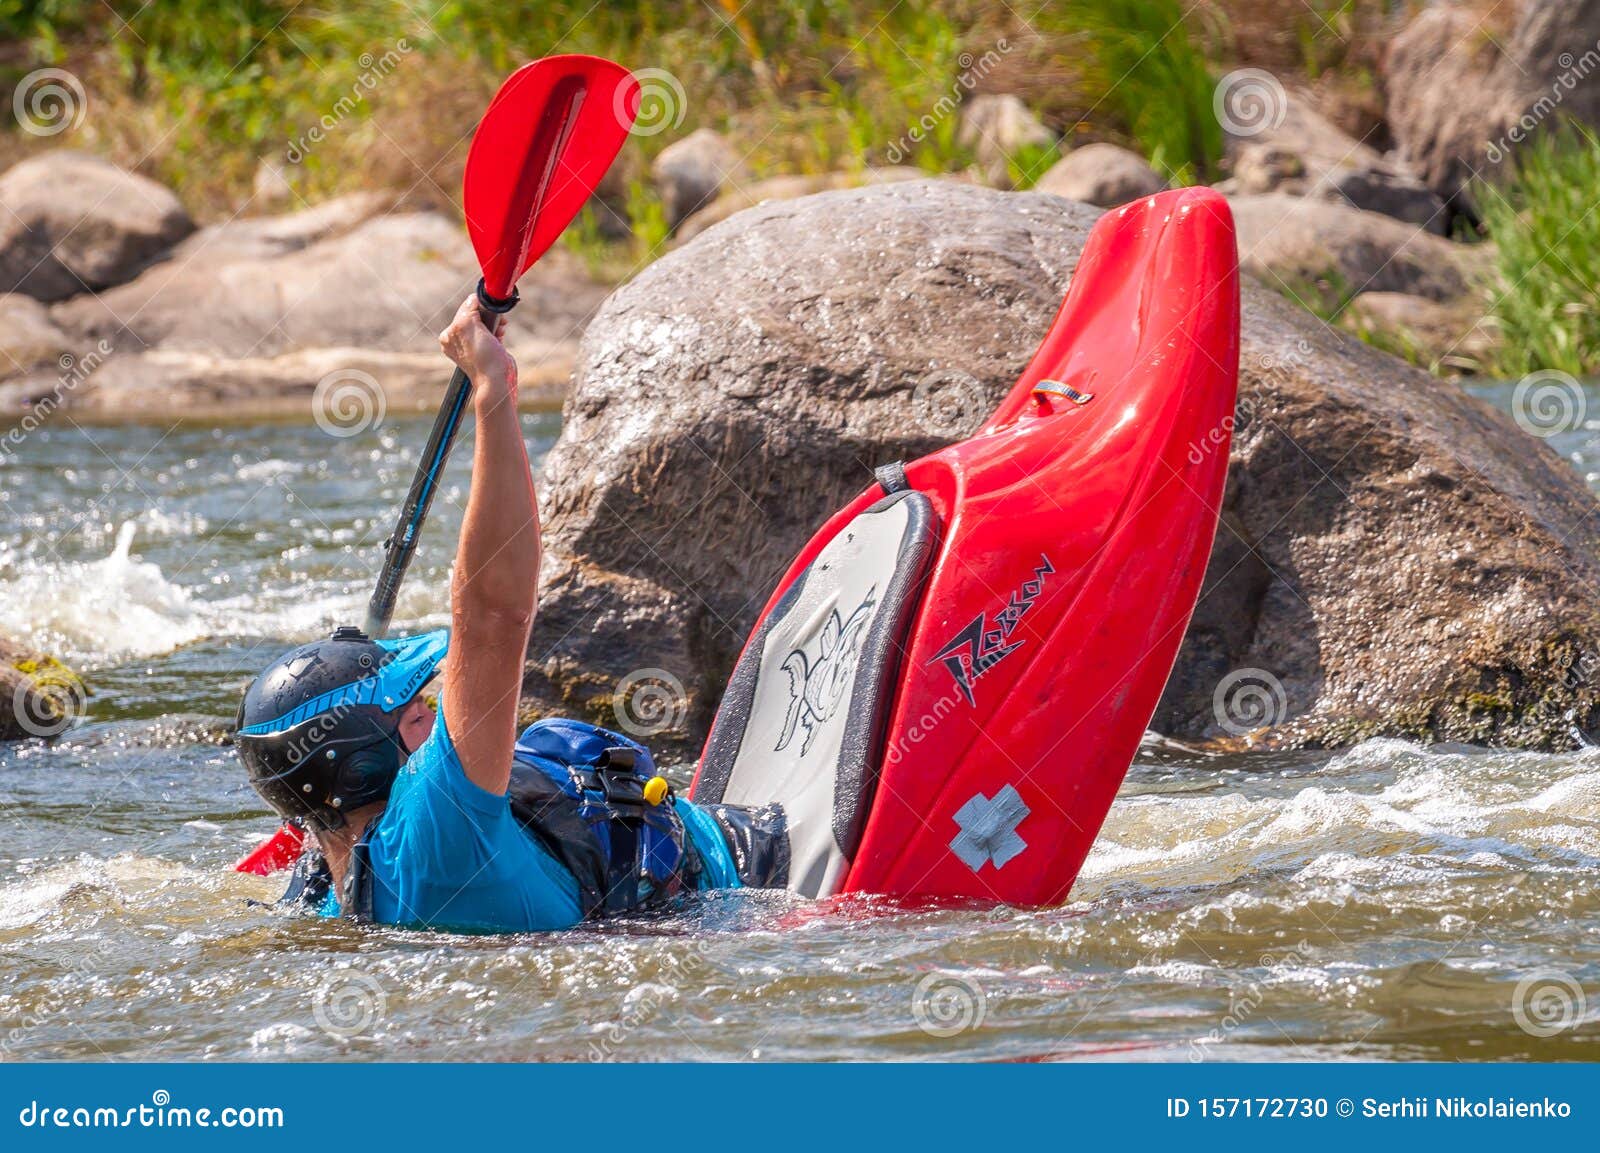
1054	389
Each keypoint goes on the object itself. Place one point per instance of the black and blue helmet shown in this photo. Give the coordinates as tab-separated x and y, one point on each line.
317	730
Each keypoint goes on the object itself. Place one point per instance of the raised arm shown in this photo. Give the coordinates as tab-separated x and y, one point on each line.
497	562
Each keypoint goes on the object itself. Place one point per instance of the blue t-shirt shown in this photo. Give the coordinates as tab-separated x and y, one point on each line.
447	854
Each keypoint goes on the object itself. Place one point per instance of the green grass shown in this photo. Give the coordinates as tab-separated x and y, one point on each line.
1148	78
1542	218
197	92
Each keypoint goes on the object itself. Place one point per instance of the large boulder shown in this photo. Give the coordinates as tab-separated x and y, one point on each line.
1101	174
391	282
255	313
742	196
1397	557
71	223
1295	244
1291	147
28	337
1465	86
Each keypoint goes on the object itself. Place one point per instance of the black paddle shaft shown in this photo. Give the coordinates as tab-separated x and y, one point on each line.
402	543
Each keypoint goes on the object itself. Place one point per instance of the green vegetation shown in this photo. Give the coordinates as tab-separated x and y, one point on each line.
1546	297
1151	78
380	94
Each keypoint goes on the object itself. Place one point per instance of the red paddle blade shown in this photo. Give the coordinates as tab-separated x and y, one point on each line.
278	851
541	149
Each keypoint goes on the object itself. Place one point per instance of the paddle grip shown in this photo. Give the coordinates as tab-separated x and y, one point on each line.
402	543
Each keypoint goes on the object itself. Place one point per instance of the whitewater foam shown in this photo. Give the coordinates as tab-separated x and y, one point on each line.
120	607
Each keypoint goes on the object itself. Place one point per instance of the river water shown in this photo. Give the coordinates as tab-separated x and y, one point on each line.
1387	901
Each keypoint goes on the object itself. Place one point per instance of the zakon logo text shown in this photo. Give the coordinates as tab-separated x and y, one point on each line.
987	640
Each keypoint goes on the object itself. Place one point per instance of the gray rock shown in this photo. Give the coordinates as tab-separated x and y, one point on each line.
743	196
690	173
1394	195
1101	174
1301	152
39	696
1464	86
72	223
1457	336
260	237
246	311
28	338
1400	558
199	384
998	128
1292	242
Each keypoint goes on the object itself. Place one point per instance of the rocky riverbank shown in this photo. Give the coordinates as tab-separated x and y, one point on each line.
113	302
118	305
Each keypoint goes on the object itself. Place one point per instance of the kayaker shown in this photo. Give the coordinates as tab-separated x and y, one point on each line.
447	820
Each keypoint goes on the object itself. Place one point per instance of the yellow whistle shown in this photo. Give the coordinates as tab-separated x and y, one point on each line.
655	790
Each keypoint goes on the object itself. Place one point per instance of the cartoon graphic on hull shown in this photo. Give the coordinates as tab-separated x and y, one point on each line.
817	687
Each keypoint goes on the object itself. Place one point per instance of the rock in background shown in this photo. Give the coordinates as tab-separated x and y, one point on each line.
1295	150
1292	242
998	129
1463	83
1393	554
71	223
248	316
690	173
1104	175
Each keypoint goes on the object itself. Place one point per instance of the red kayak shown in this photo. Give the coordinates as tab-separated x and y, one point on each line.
950	682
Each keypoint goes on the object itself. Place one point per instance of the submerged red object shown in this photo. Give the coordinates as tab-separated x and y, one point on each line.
278	851
950	682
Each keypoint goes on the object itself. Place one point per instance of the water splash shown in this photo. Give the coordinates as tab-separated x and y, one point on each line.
120	607
115	607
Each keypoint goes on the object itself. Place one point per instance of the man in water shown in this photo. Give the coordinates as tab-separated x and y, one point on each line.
447	820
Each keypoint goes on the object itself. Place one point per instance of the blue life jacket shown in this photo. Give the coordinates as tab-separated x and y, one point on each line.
580	791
